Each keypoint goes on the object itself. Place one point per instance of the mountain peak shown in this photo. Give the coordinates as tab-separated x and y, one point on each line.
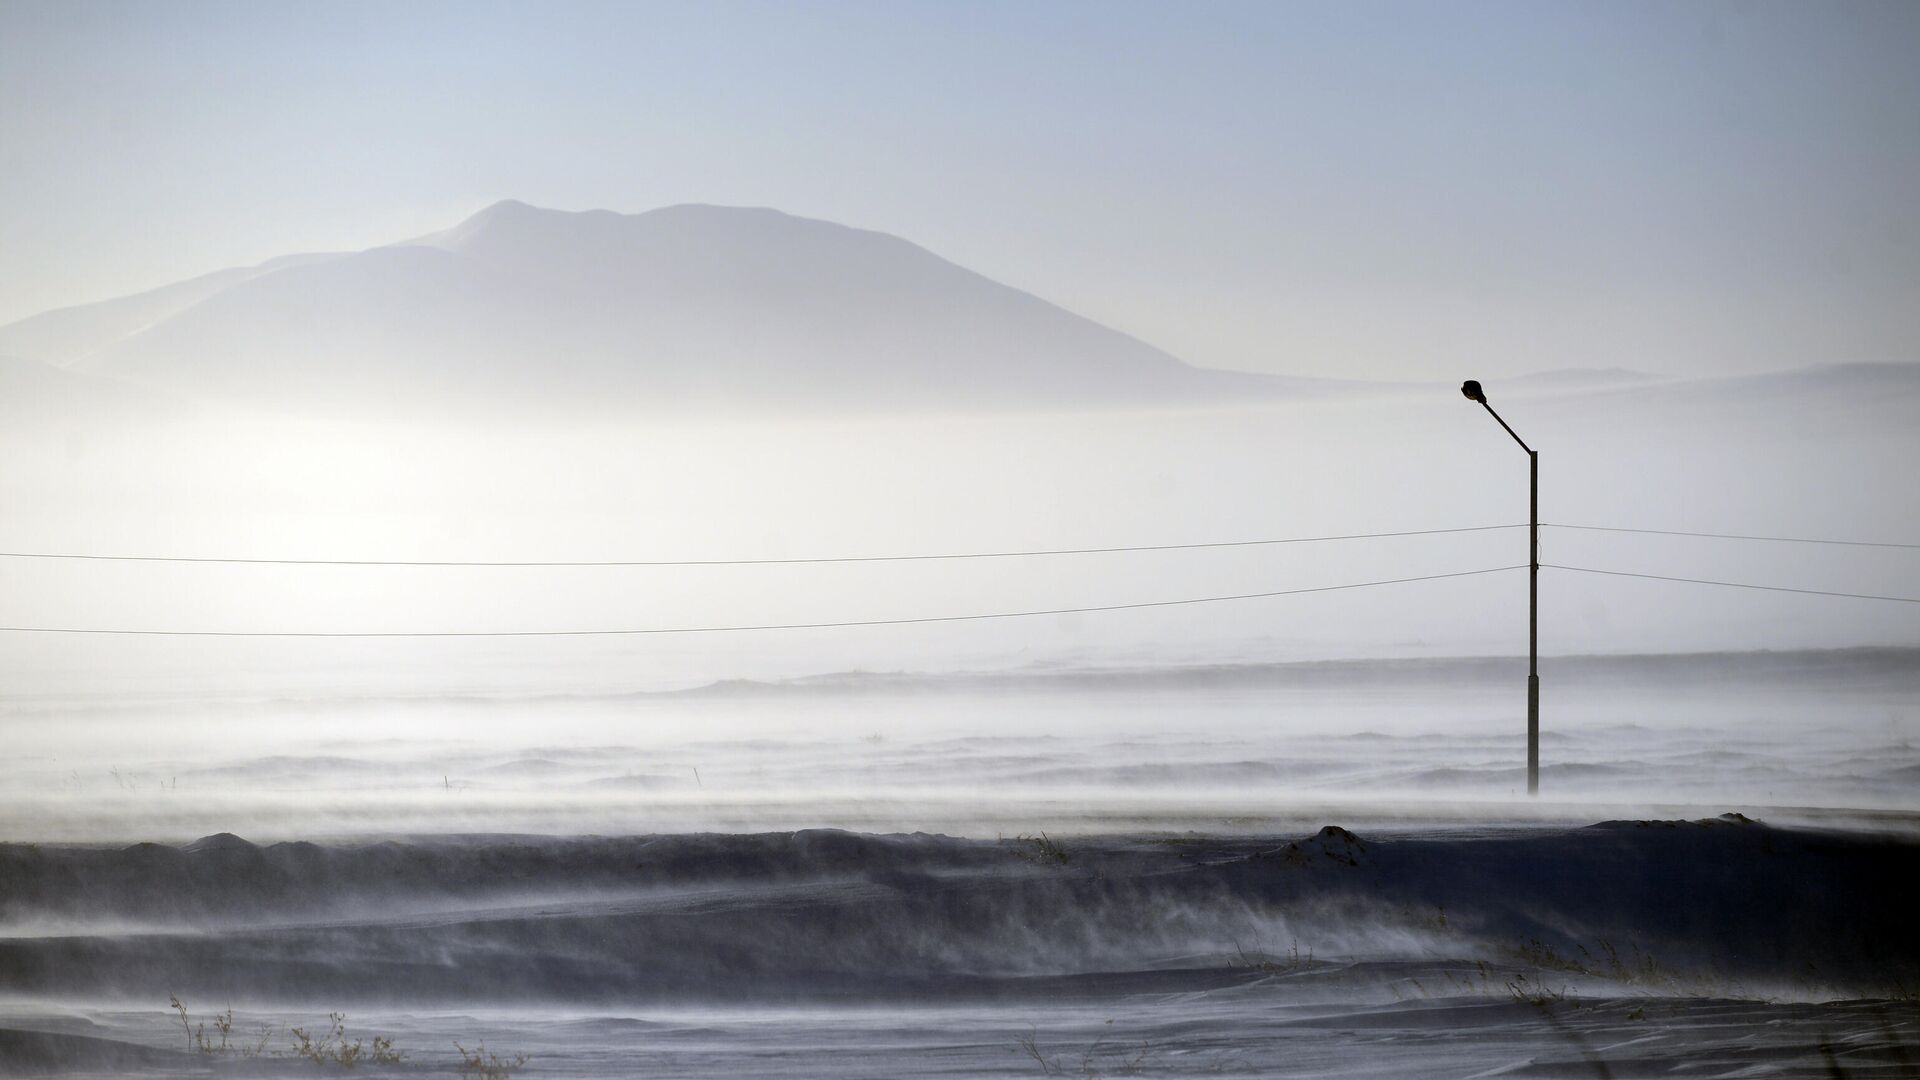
507	215
693	304
504	208
511	211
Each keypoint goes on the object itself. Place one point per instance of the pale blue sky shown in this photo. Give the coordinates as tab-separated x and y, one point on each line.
1374	190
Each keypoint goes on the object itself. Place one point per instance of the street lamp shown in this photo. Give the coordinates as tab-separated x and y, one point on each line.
1473	393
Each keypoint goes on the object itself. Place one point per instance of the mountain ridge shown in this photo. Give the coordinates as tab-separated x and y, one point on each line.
686	305
696	306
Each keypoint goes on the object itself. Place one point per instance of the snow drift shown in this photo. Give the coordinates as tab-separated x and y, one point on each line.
818	916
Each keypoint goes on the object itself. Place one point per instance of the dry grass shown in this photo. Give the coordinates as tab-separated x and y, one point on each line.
198	1042
330	1047
480	1063
1269	964
1098	1060
1043	849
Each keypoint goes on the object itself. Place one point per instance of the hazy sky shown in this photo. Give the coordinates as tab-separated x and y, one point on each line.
1377	190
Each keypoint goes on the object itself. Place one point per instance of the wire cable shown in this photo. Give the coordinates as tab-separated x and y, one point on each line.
736	629
1733	536
1735	584
239	561
746	562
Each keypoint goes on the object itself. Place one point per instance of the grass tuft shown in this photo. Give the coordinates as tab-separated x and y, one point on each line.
480	1063
330	1047
1270	964
1043	849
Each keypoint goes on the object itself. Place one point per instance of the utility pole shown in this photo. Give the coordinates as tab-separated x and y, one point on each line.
1472	390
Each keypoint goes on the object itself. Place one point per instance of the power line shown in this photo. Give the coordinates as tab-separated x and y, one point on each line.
735	629
746	562
1733	536
1735	584
1041	552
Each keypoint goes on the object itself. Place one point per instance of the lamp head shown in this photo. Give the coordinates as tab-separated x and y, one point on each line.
1471	388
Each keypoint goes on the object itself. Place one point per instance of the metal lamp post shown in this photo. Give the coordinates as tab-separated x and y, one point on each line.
1473	393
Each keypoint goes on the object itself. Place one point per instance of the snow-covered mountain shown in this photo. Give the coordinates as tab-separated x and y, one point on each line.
682	306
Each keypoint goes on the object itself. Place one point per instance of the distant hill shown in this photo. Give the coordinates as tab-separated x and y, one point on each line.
68	335
1575	381
700	306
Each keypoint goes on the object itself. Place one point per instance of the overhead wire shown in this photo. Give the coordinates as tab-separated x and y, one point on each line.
996	554
748	562
1733	584
919	557
737	629
1731	536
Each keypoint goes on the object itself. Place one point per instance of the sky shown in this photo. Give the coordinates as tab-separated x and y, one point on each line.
1370	190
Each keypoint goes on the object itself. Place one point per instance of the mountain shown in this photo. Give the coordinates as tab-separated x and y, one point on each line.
1575	381
42	395
66	335
686	306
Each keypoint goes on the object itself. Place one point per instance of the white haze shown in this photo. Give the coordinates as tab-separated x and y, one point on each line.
1815	454
119	442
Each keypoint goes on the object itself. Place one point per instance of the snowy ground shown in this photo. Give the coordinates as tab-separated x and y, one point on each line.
614	886
1722	947
1248	1032
1814	737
